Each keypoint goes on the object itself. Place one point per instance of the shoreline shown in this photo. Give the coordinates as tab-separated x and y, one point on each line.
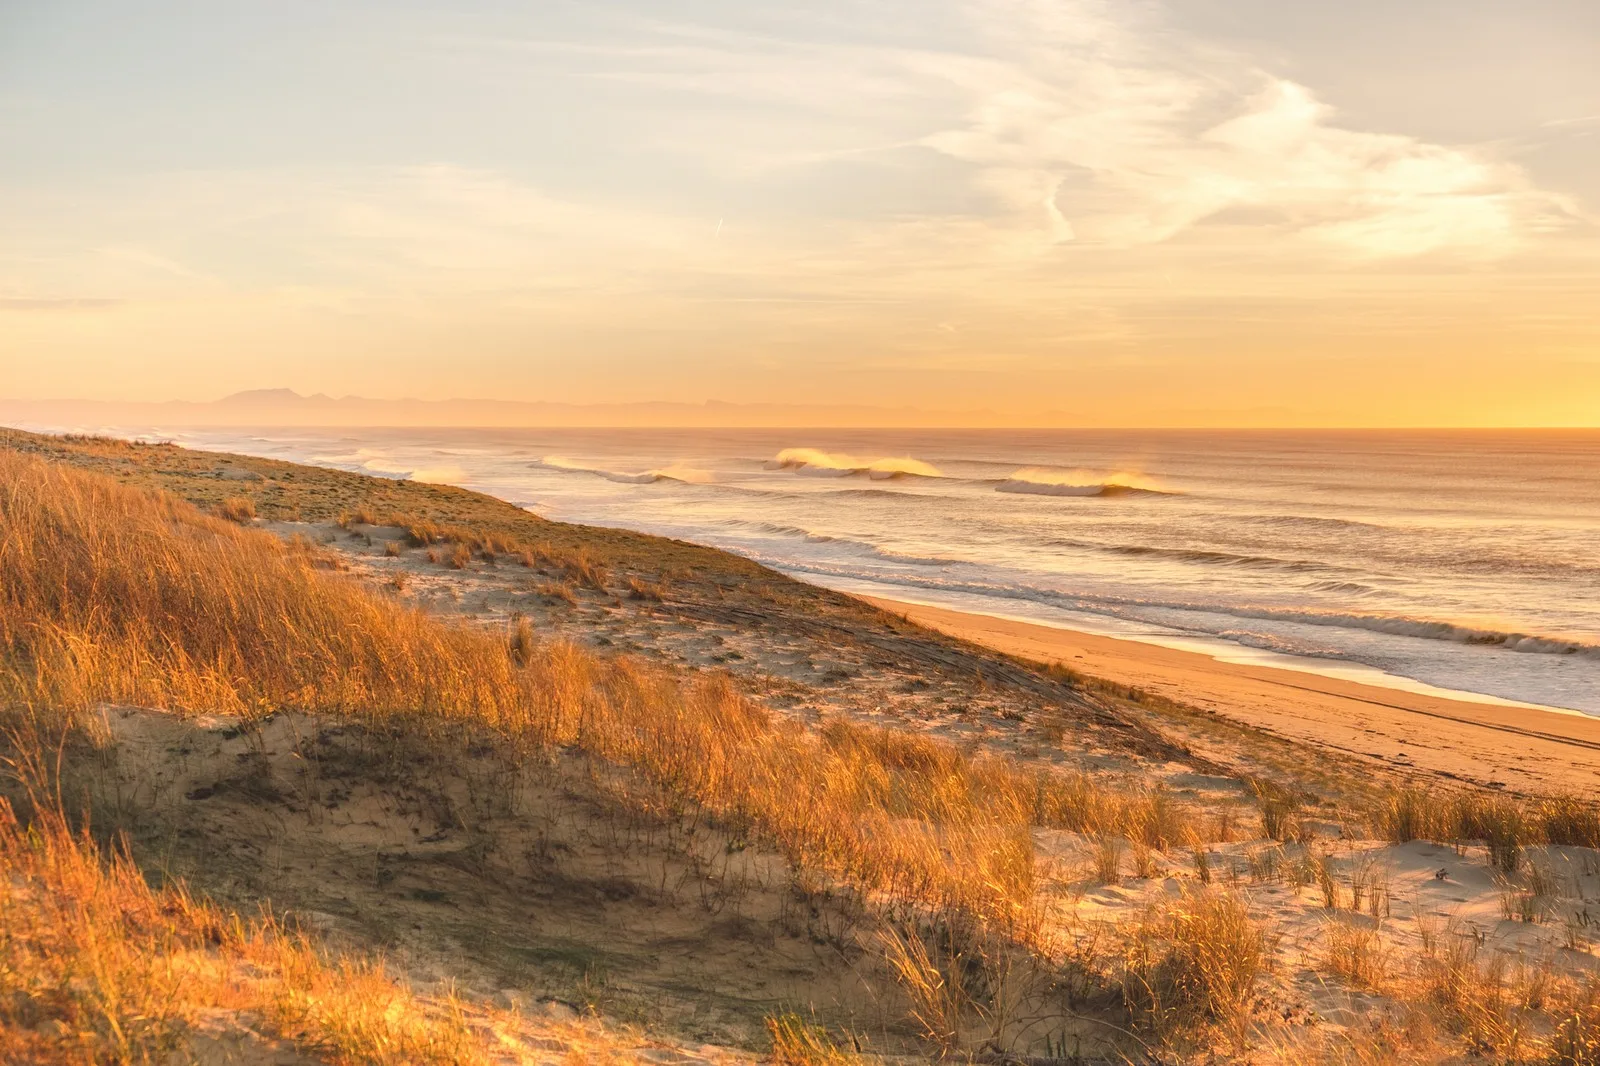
1216	648
1523	749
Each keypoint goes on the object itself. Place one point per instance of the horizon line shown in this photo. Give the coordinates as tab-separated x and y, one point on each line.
863	426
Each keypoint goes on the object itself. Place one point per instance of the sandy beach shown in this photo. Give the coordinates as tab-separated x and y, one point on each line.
1501	747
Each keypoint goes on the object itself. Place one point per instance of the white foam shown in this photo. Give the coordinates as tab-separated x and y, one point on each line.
832	464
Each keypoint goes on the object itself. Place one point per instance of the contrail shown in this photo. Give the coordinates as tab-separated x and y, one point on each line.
719	228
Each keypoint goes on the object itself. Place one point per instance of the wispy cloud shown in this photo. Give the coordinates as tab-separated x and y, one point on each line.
1092	122
1100	123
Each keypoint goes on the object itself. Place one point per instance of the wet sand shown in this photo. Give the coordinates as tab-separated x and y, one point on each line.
1522	750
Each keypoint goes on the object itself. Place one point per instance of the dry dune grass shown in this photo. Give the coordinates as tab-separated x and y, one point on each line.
1194	963
1509	1011
580	565
117	595
1505	824
240	509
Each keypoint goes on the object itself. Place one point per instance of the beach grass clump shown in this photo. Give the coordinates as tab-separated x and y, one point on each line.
646	591
240	509
557	590
1279	819
936	967
1499	822
524	646
1108	859
422	532
1576	1041
1521	1012
1154	818
1505	824
584	568
796	1042
1408	814
1265	864
1354	951
1196	962
1566	820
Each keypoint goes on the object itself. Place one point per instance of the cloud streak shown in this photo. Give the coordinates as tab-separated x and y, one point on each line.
1095	122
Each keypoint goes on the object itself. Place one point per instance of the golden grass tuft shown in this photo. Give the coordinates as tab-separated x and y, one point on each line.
1108	859
1196	962
1355	952
1504	824
933	989
645	590
583	568
797	1043
240	509
1280	818
557	590
522	642
1576	1041
1405	815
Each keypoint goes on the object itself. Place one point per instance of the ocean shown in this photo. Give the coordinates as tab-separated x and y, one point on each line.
1463	561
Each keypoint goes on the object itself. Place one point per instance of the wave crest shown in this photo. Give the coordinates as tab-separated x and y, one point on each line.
1041	481
674	472
374	461
832	464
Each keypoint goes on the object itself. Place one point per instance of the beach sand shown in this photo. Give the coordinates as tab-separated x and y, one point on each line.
1519	749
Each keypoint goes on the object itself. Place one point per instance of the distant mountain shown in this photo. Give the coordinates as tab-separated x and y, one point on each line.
285	407
252	396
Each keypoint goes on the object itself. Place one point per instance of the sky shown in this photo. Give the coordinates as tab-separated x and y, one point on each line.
1197	212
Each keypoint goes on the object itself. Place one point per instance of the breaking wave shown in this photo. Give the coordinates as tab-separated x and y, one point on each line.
1201	555
385	464
832	464
675	472
1039	481
437	475
1138	608
1430	630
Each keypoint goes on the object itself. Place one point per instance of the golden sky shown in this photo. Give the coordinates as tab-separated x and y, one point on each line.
1188	213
